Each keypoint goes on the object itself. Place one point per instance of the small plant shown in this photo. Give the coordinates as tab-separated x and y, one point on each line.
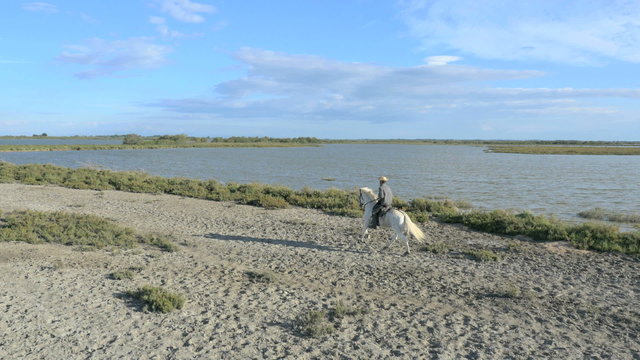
436	248
261	276
160	241
122	275
342	310
157	299
314	324
482	255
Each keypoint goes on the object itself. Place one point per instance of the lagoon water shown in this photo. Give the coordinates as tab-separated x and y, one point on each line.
560	185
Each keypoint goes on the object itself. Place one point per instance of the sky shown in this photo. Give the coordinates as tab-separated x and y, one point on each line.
334	69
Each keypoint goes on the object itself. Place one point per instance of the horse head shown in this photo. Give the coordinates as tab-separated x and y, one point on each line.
366	196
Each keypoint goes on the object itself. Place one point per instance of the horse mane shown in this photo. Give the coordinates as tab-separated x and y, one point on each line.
369	192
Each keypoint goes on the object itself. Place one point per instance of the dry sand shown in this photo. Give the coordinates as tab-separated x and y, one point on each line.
538	302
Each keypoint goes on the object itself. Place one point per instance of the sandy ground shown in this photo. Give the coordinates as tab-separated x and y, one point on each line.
539	301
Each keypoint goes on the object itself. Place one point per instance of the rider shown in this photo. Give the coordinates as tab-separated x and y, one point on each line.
385	198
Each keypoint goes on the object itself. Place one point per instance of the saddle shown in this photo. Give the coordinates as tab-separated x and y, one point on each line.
375	217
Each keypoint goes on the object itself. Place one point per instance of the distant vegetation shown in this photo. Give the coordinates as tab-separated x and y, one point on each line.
566	150
338	202
134	141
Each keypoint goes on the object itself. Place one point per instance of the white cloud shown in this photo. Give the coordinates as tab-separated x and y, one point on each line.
163	28
106	58
572	31
440	60
186	10
303	91
40	7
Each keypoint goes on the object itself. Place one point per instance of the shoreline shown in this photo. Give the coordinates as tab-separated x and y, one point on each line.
538	300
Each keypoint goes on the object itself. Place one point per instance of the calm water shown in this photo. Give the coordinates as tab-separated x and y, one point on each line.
561	185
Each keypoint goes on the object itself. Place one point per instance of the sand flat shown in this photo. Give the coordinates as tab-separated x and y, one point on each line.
58	302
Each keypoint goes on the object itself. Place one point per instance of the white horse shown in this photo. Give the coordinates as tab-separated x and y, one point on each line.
398	220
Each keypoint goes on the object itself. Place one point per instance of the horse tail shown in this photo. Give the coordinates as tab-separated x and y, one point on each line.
411	228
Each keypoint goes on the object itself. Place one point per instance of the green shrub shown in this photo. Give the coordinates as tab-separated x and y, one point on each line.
157	299
71	229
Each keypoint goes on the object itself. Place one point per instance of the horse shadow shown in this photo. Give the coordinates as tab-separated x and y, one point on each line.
290	243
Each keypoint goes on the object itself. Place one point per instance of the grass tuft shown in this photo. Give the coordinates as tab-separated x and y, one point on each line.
157	299
122	275
482	255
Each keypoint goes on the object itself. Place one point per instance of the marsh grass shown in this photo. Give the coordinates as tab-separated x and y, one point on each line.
332	201
157	299
602	214
84	231
565	150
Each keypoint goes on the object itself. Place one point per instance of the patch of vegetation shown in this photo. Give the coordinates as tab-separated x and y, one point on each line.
157	299
565	150
482	255
316	323
261	276
602	214
37	227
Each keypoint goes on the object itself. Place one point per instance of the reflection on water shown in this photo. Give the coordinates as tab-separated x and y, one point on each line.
545	184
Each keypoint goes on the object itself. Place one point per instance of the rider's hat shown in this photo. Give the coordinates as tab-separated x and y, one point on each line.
383	178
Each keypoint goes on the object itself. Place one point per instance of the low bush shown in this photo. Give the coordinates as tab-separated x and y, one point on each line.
72	229
157	299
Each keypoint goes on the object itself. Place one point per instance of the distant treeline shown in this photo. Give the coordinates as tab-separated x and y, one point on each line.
481	142
182	138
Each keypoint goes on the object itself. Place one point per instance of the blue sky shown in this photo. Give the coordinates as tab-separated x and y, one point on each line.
482	69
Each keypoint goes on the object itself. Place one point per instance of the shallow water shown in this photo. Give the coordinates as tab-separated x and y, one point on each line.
559	185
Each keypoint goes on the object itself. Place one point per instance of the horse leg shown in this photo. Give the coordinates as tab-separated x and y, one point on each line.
393	238
406	241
